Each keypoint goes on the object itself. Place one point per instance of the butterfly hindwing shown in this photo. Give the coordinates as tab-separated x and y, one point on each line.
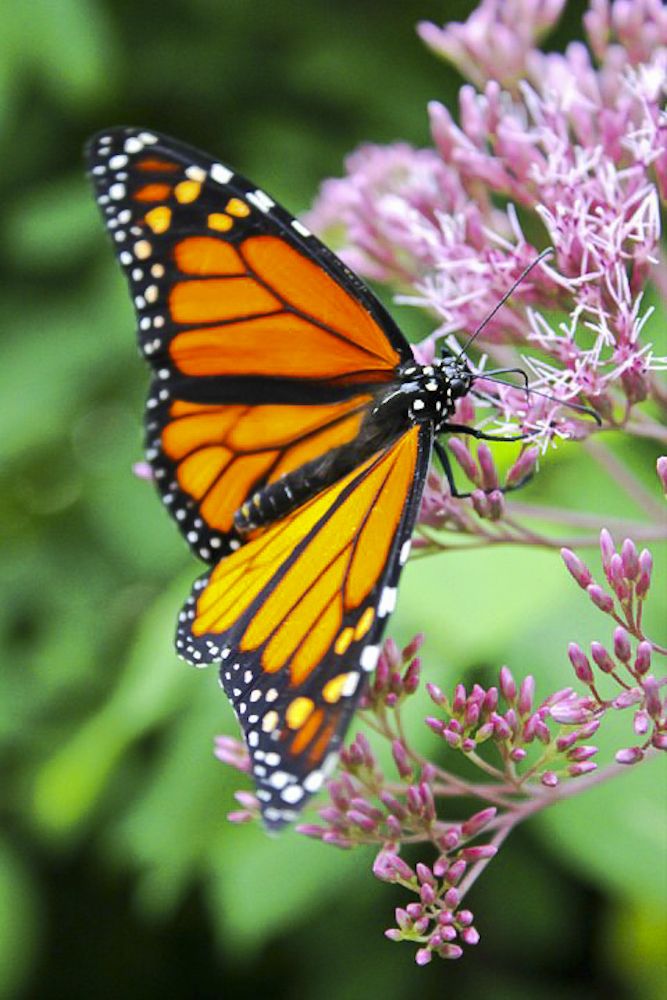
297	614
242	315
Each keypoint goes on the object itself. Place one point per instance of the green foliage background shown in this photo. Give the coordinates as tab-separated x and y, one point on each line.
119	875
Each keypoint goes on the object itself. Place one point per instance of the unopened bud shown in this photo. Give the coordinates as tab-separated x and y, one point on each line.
579	661
577	569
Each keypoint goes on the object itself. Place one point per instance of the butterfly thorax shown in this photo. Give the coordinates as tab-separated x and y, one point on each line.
424	393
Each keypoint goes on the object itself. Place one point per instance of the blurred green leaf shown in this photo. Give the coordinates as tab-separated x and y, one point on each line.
260	886
633	941
152	684
54	227
71	44
20	920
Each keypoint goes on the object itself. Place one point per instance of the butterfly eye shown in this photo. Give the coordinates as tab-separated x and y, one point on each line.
459	385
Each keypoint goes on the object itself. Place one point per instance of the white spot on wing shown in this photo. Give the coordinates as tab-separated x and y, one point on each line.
369	658
220	174
293	794
313	782
387	602
300	228
351	684
195	173
261	200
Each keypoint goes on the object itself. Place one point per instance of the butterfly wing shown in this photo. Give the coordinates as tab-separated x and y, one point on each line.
296	615
266	350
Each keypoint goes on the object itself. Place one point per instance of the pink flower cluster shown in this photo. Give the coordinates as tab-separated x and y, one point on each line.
579	150
571	148
528	755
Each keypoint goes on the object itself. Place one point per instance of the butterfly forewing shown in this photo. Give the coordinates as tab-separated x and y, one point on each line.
237	306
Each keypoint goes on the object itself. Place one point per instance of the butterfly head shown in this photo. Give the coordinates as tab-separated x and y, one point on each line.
457	378
430	392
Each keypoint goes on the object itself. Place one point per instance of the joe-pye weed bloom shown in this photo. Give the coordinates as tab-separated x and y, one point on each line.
563	150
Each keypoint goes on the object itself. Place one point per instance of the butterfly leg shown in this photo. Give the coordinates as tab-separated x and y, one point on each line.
480	435
443	456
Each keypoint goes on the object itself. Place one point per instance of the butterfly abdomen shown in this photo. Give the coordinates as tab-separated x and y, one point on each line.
276	500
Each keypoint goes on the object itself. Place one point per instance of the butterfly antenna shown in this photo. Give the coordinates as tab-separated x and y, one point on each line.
537	392
506	296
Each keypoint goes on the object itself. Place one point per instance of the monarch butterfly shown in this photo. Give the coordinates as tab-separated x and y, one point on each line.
289	429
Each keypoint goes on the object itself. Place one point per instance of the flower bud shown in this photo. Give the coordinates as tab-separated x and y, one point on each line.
526	695
607	548
661	467
480	503
507	684
393	654
630	755
643	657
450	951
501	729
627	698
436	695
310	830
460	698
478	853
401	759
564	743
487	467
602	658
471	716
413	646
490	702
600	598
622	648
652	695
496	505
424	873
630	559
411	676
452	898
569	712
464	459
523	467
616	577
579	661
455	872
659	740
645	569
391	803
389	867
427	894
588	730
576	770
478	821
549	779
582	753
578	569
469	935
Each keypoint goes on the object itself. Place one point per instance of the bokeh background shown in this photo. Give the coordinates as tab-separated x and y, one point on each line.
119	875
